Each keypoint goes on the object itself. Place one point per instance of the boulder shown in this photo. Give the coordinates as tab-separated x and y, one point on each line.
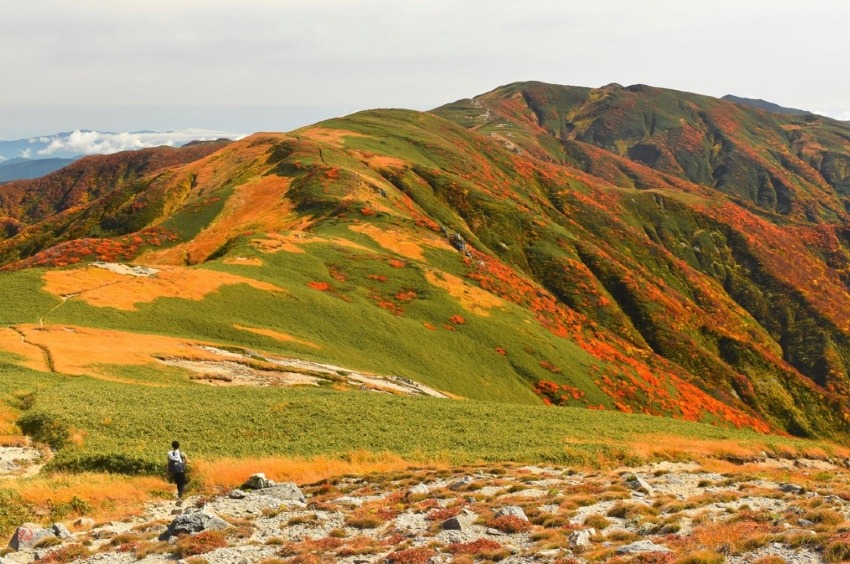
192	523
642	546
237	494
28	535
257	482
285	492
512	511
581	538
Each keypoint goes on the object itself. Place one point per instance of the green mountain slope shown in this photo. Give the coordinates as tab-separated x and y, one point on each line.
620	248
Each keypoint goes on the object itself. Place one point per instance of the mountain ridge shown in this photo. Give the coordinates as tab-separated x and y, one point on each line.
642	249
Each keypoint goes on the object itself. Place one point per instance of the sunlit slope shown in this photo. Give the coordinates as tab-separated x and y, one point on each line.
402	243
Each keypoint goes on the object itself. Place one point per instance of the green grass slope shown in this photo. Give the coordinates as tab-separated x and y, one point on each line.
526	250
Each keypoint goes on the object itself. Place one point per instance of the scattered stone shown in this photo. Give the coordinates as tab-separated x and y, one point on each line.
257	482
642	546
84	523
419	489
61	531
237	494
581	538
791	488
458	484
805	523
640	485
494	532
195	522
512	511
460	522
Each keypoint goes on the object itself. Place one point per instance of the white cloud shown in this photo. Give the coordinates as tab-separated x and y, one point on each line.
26	153
98	142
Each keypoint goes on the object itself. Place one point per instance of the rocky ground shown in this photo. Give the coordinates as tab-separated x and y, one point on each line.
766	511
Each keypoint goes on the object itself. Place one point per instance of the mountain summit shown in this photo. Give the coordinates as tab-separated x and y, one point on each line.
629	248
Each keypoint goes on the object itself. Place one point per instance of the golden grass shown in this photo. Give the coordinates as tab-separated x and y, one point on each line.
292	242
335	137
102	288
470	298
13	440
110	495
227	473
80	350
377	162
400	242
283	337
31	356
257	206
243	261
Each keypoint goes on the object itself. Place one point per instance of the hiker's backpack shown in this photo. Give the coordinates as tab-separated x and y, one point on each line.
176	466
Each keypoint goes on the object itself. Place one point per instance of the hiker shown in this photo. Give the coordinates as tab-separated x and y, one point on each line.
177	468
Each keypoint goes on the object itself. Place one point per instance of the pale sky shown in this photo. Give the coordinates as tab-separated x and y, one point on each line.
249	65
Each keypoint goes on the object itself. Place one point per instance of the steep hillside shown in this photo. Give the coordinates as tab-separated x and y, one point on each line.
620	248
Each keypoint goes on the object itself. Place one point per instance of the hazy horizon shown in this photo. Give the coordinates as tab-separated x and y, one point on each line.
280	64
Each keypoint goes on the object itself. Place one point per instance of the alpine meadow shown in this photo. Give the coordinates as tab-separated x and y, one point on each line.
541	274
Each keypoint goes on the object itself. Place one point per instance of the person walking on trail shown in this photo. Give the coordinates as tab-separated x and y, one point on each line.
177	468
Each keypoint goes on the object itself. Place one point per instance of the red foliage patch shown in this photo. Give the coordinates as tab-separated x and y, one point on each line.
474	547
443	513
429	327
502	351
336	273
320	286
395	263
550	367
419	555
367	211
457	319
406	295
556	394
377	277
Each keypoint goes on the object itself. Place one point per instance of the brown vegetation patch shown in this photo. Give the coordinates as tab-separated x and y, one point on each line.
377	162
102	288
292	241
400	242
227	472
82	350
283	337
32	356
243	261
470	298
257	206
335	137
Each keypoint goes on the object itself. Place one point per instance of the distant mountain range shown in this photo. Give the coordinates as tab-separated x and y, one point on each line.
20	169
37	156
766	106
